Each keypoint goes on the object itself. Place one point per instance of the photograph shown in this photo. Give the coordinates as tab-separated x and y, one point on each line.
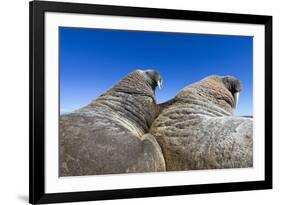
130	102
133	101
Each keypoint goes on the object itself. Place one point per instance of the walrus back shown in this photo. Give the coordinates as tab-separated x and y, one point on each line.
202	142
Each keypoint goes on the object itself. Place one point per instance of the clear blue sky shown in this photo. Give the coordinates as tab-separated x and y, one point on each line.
92	60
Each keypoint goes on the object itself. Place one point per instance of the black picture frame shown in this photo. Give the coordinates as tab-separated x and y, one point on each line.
37	10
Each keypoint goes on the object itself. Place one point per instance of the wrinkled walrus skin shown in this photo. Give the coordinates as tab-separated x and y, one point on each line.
108	135
197	129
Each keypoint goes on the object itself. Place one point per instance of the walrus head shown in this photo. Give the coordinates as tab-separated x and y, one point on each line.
142	82
153	78
216	92
221	90
234	86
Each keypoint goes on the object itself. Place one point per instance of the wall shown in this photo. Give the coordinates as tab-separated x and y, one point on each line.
14	100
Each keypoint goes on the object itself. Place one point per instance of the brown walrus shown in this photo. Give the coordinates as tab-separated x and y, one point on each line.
197	129
108	136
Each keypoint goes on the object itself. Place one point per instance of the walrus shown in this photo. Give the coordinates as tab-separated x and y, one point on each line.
197	129
110	135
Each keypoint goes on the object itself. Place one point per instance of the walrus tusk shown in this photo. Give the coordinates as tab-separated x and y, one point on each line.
159	83
236	98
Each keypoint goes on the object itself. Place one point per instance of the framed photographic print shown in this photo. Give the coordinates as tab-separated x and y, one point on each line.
141	102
